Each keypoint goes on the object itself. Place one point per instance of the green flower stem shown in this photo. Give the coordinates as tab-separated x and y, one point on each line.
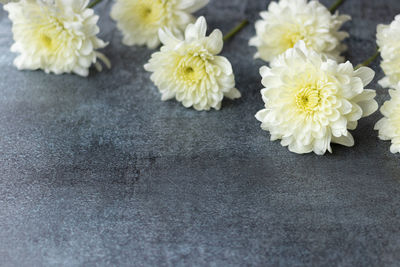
336	5
235	30
94	3
369	61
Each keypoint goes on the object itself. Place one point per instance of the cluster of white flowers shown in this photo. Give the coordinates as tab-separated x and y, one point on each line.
311	98
288	21
59	36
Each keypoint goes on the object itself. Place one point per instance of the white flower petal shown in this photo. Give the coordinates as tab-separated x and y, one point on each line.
192	6
167	38
214	43
197	30
344	140
365	74
233	94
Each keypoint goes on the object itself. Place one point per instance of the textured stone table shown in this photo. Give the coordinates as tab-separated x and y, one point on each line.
99	171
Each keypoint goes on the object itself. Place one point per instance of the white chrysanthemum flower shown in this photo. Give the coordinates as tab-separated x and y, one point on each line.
140	20
56	36
288	21
311	102
389	125
190	69
388	40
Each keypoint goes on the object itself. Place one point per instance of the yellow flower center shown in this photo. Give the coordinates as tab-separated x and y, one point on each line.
291	38
190	70
50	35
291	34
308	98
149	11
45	40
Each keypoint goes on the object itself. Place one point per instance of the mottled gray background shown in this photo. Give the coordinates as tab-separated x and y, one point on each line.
99	171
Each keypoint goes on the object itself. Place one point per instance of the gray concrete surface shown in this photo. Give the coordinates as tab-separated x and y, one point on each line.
100	172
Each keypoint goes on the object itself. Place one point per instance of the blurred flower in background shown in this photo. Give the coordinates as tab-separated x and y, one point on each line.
388	40
140	20
288	21
55	36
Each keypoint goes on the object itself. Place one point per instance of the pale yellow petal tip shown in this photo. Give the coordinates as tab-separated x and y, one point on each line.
365	74
233	94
